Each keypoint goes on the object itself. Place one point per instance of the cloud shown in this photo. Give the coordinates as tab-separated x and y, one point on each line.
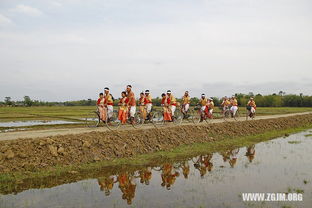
4	20
21	8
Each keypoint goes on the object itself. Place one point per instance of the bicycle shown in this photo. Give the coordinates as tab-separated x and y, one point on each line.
228	113
158	118
188	115
93	119
202	115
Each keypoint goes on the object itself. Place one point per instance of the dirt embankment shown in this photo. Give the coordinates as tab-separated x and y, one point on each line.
30	154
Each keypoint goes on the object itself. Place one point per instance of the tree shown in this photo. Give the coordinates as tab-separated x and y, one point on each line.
7	101
27	101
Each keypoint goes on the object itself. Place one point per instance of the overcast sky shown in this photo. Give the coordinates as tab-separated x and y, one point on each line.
57	50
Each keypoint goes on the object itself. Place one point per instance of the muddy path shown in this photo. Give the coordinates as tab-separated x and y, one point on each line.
66	131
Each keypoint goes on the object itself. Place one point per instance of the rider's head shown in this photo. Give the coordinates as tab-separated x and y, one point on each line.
106	90
251	98
147	92
101	94
203	95
123	94
163	95
168	92
129	87
142	94
186	93
210	99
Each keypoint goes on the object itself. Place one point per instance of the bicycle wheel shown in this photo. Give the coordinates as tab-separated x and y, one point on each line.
158	119
113	123
92	119
138	120
236	116
178	117
226	115
188	115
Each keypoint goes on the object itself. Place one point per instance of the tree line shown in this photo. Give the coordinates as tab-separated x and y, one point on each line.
280	99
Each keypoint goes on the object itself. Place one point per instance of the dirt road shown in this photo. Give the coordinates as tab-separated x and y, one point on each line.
66	131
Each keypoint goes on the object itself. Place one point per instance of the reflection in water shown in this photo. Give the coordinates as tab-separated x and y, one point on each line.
211	179
251	152
169	172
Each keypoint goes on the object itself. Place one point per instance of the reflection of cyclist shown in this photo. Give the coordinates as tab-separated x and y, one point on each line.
106	184
185	169
185	102
108	103
250	153
234	106
127	186
168	176
203	164
123	110
145	175
233	157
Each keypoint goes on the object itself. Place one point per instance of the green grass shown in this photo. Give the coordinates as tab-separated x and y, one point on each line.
181	153
308	135
294	142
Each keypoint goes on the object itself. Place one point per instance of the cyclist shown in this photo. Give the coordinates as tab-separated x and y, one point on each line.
123	110
131	102
108	103
234	106
251	107
172	102
165	104
225	104
148	103
210	106
185	103
100	105
142	105
203	103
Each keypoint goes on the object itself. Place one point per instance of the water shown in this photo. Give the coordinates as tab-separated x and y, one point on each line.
212	180
34	123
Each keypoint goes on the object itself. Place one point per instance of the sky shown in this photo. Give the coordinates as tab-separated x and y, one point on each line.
60	50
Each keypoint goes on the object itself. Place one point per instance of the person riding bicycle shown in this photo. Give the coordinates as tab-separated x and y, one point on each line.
148	103
234	105
185	103
123	110
225	104
165	104
142	105
172	102
203	106
108	103
131	102
210	106
251	106
100	105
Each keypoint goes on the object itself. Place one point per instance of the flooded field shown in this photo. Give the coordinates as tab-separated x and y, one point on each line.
217	179
34	123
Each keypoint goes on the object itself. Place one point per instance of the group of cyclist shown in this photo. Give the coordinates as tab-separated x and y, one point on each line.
127	105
